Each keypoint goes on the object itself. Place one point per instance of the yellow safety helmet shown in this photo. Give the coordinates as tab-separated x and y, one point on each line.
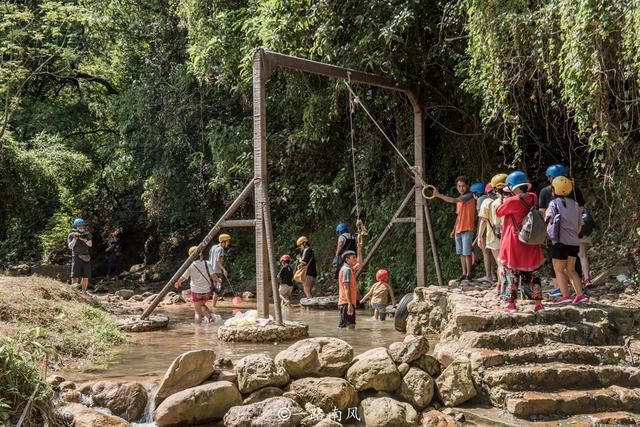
192	249
223	238
301	240
498	179
562	186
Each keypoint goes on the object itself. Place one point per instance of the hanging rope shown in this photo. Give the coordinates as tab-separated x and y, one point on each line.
354	98
362	230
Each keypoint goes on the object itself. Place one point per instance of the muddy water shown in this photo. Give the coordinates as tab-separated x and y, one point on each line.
148	354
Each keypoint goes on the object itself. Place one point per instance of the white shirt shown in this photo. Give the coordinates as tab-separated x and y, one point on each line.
216	252
200	283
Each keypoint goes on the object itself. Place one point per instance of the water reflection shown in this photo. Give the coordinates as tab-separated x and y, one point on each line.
148	354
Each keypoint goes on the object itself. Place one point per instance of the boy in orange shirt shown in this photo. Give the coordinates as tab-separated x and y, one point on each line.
348	288
465	223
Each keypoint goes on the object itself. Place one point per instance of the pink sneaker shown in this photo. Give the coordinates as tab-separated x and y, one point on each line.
564	300
510	307
580	299
587	283
538	309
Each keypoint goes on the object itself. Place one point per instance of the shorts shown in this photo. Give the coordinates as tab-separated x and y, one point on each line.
382	310
196	297
346	319
463	243
80	268
562	251
494	246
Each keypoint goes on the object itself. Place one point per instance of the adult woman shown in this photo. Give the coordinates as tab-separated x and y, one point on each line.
201	279
519	259
308	260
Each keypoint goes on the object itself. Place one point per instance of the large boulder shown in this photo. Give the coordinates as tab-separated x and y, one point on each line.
259	370
327	393
385	411
188	370
417	388
410	349
322	356
455	384
374	369
126	400
273	412
77	415
262	394
198	405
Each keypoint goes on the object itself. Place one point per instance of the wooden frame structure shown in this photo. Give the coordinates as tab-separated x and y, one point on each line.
265	62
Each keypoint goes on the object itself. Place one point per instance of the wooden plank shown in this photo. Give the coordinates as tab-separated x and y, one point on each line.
432	240
406	220
386	231
260	77
201	247
238	223
266	215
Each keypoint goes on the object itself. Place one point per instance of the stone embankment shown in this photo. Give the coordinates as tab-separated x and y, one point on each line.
566	361
314	382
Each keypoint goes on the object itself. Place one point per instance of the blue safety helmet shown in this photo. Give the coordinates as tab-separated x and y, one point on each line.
477	187
78	222
556	170
517	179
341	227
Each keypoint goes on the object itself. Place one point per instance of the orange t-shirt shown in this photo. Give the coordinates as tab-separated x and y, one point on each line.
347	272
466	215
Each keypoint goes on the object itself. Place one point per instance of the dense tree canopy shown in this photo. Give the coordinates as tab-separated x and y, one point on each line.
137	114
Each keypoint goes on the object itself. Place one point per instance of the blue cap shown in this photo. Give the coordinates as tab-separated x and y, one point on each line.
517	179
341	227
78	222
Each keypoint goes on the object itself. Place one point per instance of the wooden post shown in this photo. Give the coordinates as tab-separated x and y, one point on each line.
421	230
432	240
201	247
272	263
260	77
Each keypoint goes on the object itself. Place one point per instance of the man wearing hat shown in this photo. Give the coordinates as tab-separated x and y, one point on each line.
216	260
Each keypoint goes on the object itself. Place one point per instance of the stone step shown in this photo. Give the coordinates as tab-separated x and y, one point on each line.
584	333
498	417
560	352
553	376
480	319
564	403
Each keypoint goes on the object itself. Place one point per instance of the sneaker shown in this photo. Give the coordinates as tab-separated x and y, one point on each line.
580	299
555	292
510	307
587	283
461	278
485	279
564	300
493	279
538	309
467	279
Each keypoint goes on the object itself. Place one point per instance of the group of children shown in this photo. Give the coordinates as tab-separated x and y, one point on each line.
502	206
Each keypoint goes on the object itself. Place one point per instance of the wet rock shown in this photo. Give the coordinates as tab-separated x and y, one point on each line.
374	369
256	371
322	356
187	370
137	298
77	415
429	364
67	385
435	418
147	294
55	380
135	268
125	293
385	411
269	333
262	394
198	405
417	387
135	324
125	400
268	412
326	393
410	349
455	384
71	396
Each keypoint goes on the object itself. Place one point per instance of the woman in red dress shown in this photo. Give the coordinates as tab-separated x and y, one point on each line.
520	260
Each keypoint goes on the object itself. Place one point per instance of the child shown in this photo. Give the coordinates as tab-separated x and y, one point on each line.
463	229
563	218
201	279
348	288
379	293
489	231
519	259
285	276
484	194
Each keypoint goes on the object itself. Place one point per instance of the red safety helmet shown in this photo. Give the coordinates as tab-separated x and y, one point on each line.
382	275
285	258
